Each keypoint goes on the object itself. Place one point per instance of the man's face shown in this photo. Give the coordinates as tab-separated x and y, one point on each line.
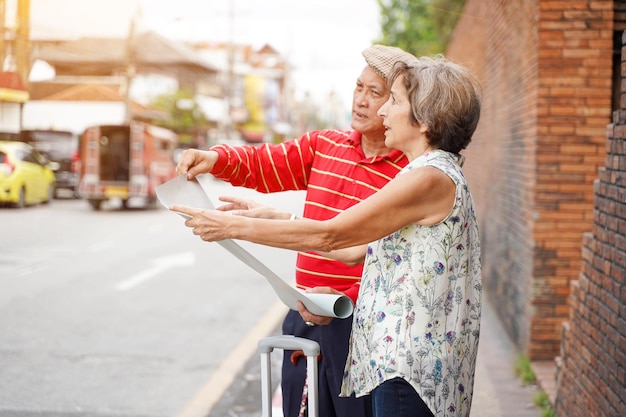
370	93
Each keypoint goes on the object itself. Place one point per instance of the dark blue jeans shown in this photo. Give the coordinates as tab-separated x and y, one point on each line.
397	398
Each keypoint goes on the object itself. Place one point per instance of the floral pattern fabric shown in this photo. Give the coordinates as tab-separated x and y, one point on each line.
418	312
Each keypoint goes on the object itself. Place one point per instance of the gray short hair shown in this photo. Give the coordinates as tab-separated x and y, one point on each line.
444	96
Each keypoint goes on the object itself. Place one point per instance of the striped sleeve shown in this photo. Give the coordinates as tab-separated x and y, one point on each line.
269	167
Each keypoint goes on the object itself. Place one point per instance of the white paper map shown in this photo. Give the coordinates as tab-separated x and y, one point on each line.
196	194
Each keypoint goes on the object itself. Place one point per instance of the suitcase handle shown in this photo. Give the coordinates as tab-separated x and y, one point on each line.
310	348
286	342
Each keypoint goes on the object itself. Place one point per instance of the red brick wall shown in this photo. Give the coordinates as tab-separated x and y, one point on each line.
545	66
592	376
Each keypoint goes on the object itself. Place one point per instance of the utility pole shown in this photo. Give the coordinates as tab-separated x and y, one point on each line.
3	31
22	41
230	88
130	68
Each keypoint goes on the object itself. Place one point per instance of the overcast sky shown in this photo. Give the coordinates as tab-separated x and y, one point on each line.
323	39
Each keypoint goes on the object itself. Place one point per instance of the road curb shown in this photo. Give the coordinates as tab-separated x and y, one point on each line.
206	398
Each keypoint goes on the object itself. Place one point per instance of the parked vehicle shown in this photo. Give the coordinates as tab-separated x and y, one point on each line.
26	176
9	136
58	146
125	162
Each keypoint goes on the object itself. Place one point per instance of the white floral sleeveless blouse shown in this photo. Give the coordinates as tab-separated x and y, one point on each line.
418	312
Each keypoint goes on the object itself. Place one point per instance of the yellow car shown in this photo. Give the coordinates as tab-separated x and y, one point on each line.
26	176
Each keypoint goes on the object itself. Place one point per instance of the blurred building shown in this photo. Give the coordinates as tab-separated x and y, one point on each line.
14	58
243	92
257	90
114	70
80	106
13	95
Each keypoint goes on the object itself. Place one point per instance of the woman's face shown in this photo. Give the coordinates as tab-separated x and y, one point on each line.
400	133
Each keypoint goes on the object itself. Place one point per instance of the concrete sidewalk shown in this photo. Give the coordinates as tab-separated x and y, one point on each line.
498	392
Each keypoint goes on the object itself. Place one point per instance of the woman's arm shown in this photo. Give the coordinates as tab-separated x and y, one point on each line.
424	196
250	208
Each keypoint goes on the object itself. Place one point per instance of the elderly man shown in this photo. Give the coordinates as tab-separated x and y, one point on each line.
337	169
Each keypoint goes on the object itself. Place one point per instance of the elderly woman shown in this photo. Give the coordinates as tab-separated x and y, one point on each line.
416	322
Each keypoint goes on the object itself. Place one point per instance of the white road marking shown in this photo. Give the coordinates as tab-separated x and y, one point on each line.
224	375
160	265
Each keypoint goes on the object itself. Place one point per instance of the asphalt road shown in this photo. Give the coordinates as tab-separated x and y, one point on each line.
126	312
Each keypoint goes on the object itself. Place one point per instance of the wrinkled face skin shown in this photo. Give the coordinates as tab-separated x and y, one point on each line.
370	93
401	133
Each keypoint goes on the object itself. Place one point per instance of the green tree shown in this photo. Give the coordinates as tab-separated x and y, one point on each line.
422	27
186	117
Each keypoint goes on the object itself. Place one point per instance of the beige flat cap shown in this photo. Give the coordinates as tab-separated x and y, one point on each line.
381	58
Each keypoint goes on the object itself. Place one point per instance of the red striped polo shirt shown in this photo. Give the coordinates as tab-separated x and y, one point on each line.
331	167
